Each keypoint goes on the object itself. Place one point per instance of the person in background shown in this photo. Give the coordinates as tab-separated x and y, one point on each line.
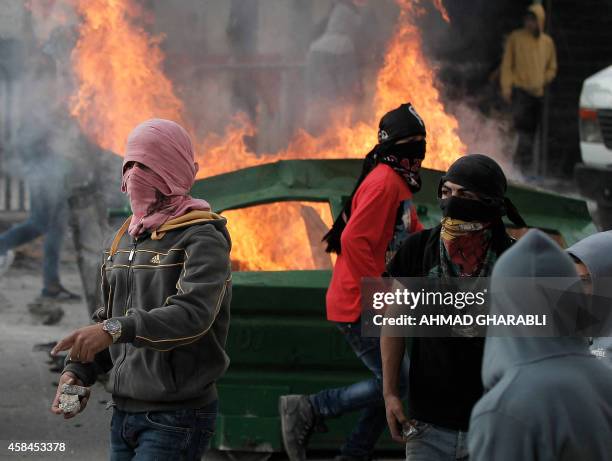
594	265
444	378
529	64
166	286
46	169
373	224
546	397
46	180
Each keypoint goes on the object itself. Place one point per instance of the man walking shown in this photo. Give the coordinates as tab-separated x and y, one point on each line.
166	292
46	170
374	222
444	380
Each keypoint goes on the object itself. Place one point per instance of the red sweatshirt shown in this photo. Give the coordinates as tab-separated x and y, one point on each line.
382	215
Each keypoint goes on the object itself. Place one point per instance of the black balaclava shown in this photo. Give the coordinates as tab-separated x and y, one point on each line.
482	175
396	125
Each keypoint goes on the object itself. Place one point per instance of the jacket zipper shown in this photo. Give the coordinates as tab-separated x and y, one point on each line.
128	303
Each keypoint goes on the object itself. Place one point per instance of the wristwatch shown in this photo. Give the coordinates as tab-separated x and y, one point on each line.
113	328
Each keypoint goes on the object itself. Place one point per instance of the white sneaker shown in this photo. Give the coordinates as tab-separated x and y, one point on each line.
5	261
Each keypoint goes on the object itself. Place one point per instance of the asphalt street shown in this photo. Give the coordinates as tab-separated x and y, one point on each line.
26	384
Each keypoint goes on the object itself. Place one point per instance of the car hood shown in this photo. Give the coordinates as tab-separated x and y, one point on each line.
597	90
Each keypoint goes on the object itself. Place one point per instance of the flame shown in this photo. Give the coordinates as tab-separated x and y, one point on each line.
407	75
440	7
118	68
253	252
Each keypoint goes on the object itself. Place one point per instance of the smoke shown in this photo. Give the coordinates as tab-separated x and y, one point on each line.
488	134
286	65
467	53
41	142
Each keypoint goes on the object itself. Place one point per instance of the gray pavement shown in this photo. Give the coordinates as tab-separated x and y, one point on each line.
26	384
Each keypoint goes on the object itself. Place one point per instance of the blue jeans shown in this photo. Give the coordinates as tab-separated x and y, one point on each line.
365	395
48	216
162	435
435	443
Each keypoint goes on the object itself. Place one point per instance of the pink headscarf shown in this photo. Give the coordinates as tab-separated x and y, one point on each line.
159	191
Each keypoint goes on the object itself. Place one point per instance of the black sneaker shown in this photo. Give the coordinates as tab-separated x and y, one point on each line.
59	295
298	422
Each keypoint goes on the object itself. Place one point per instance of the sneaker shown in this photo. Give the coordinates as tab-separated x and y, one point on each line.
6	260
298	421
61	295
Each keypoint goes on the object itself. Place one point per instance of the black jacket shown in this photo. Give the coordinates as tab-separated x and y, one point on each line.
444	380
172	296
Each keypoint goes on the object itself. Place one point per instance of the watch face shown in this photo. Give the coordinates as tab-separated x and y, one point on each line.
112	326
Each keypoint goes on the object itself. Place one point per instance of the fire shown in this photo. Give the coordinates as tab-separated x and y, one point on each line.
118	68
440	7
406	75
302	244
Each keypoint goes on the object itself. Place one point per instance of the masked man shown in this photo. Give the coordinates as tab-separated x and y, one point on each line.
547	397
444	380
164	319
374	222
594	265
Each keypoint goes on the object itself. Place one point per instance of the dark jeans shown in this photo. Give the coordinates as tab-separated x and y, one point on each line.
48	216
365	395
527	114
162	435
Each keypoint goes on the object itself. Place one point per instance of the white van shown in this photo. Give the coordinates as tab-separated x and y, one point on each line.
594	175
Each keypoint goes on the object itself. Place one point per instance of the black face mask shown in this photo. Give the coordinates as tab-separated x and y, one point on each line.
470	210
413	149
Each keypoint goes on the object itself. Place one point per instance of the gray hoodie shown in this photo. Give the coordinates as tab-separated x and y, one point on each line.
546	398
595	252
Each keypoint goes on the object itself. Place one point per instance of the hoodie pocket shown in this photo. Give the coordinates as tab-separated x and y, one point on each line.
146	375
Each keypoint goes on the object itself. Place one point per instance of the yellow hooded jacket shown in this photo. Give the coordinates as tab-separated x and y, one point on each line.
529	63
